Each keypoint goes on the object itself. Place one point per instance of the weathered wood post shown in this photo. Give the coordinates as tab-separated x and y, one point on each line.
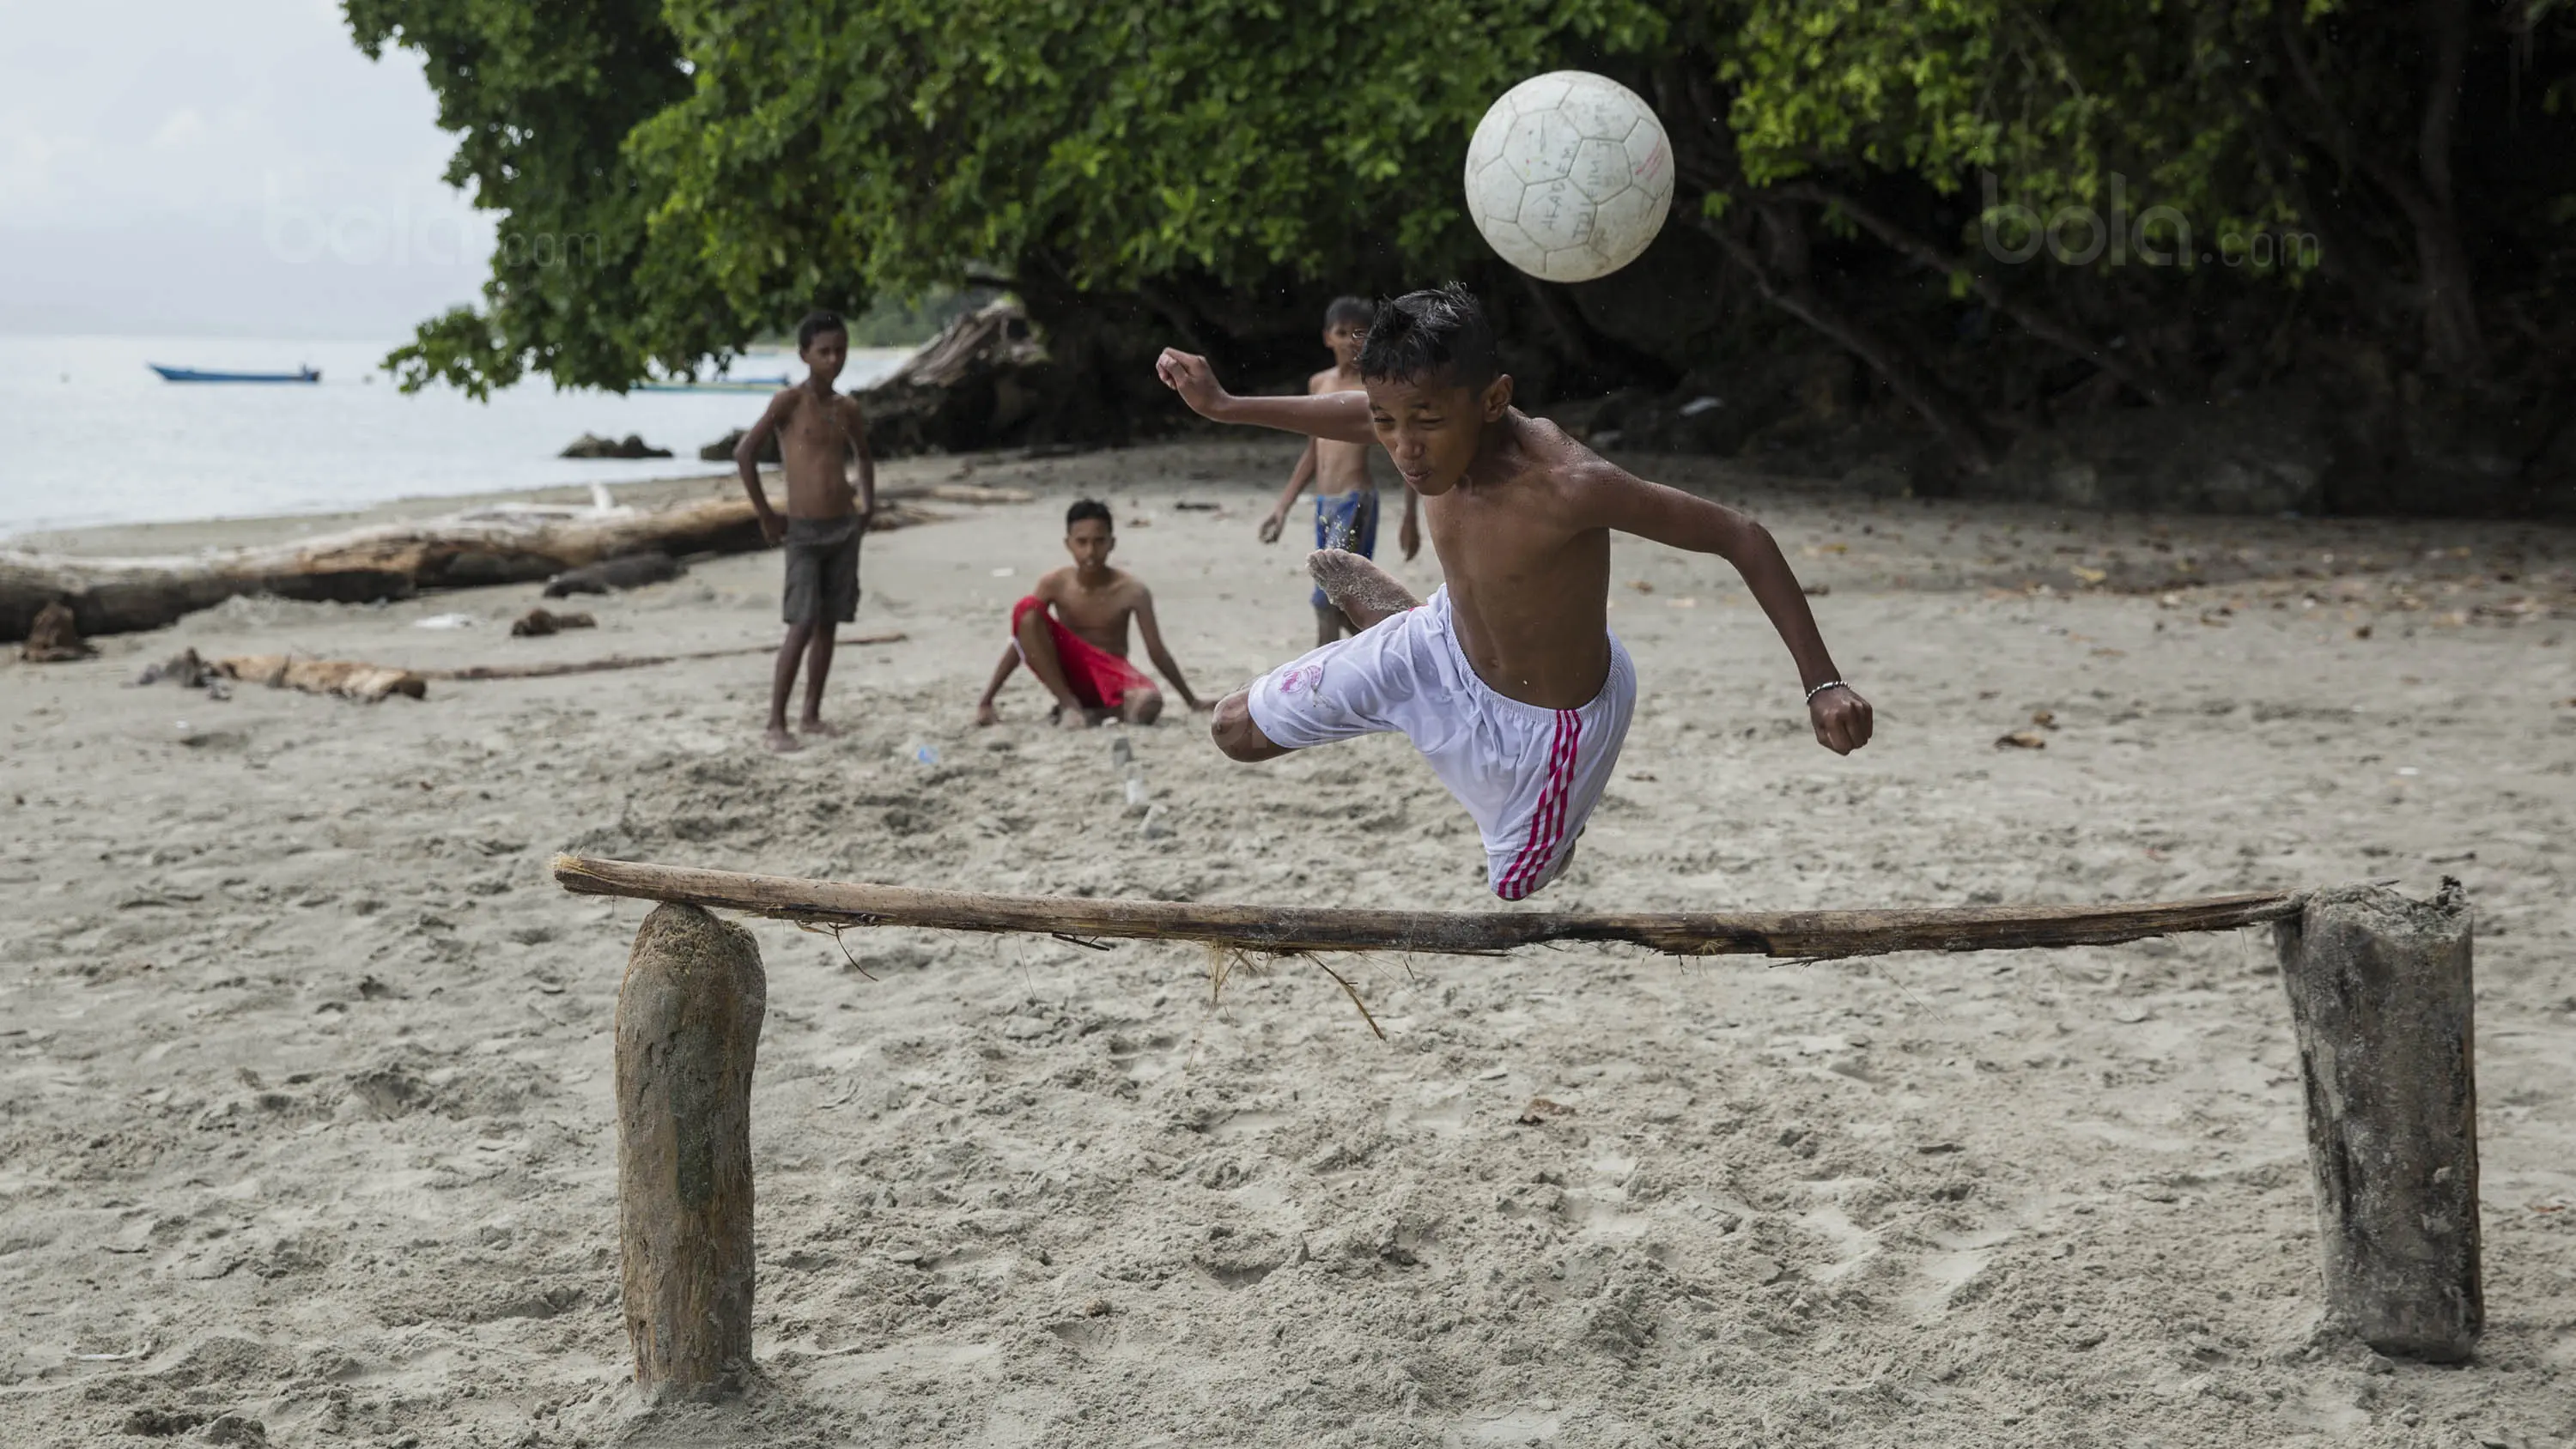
2380	994
688	1025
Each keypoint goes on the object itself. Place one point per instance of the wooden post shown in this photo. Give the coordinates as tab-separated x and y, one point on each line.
688	1026
2379	991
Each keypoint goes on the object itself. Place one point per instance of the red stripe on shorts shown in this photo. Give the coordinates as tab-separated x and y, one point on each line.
1547	821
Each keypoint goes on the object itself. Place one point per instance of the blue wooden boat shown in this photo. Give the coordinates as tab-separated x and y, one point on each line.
717	384
191	374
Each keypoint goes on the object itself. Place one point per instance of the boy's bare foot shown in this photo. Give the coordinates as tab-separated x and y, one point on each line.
985	713
818	727
1360	589
780	741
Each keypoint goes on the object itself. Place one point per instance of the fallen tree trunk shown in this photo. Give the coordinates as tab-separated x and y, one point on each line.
1806	935
393	561
507	544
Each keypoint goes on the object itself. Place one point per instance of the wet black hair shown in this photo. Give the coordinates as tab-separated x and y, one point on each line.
817	322
1357	311
1428	335
1088	508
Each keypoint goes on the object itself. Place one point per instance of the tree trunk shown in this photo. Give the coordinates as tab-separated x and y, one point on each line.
688	1026
2446	287
2451	330
2380	995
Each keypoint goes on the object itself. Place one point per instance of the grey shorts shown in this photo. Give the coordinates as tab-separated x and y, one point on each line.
822	570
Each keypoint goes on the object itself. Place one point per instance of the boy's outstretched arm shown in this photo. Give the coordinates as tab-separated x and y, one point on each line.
1342	417
1629	504
1155	651
746	460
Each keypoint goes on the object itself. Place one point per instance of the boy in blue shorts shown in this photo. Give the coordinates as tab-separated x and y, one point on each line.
1345	494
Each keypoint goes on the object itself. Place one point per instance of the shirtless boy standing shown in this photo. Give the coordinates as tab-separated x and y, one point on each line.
1508	680
1080	654
819	431
1345	494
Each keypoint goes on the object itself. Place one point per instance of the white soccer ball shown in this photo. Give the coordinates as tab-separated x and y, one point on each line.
1569	176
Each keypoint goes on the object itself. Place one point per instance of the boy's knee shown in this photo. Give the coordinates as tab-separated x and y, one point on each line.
1142	706
1235	733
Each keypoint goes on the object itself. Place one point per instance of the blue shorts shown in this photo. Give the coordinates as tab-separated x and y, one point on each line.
1347	521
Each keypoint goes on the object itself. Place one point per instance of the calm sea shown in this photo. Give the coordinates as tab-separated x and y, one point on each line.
89	435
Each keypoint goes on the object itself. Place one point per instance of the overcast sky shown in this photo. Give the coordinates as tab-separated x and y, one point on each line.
228	167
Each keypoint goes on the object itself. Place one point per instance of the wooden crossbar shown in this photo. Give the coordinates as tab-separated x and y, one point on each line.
1803	935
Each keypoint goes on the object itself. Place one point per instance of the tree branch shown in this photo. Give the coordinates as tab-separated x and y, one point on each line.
1795	935
2033	320
1957	424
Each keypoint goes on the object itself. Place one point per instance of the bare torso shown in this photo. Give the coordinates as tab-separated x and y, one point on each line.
1097	613
1340	467
1529	579
816	438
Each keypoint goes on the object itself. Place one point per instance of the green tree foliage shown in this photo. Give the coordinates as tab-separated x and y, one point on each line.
739	160
732	162
2340	120
1127	141
542	97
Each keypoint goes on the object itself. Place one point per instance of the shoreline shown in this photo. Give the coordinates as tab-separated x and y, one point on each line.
350	446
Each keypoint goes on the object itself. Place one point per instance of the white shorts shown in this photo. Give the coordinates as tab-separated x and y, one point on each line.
1529	776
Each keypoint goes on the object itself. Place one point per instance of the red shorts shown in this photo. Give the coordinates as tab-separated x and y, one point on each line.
1100	679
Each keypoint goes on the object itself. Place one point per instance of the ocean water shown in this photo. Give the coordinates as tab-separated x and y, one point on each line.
90	435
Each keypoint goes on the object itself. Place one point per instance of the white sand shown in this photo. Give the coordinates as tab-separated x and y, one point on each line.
304	1063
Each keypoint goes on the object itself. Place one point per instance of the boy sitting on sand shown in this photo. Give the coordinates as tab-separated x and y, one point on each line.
818	430
1080	652
1508	680
1345	494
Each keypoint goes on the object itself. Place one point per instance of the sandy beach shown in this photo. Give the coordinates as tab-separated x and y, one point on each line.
306	1134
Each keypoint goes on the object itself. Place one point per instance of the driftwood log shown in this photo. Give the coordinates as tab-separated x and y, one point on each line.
554	668
981	383
688	1028
510	544
2380	996
346	678
395	561
972	387
1807	935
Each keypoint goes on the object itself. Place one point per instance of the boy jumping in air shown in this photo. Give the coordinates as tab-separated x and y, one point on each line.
819	431
1508	680
1080	653
1345	494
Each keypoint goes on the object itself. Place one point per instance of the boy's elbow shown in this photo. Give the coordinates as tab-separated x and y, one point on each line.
1746	541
